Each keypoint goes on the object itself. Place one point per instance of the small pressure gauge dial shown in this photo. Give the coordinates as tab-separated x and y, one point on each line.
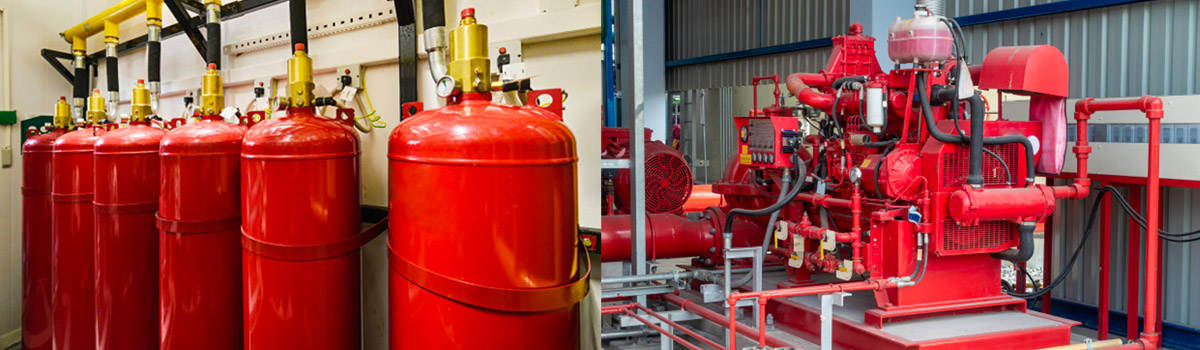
744	133
445	86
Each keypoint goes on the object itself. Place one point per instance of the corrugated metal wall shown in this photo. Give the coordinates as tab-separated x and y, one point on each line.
738	72
698	28
1181	213
959	8
1126	50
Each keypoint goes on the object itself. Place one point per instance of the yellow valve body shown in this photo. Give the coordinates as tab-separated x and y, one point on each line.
97	112
300	80
140	105
212	98
469	63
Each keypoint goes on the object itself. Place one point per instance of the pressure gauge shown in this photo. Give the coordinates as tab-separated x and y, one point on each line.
445	86
744	133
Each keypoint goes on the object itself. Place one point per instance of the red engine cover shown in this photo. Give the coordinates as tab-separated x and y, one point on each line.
74	243
126	238
36	312
199	214
482	232
299	200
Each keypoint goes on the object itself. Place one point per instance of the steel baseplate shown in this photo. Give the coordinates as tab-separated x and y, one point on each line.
996	328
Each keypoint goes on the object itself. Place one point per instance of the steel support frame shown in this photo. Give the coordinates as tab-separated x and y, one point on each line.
190	28
229	11
805	322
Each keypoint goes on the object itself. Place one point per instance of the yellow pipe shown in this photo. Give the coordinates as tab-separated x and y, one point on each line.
1095	345
118	13
154	11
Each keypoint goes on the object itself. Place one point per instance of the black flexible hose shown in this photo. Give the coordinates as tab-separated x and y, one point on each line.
298	15
213	49
799	170
433	13
1024	249
154	61
110	65
81	83
977	111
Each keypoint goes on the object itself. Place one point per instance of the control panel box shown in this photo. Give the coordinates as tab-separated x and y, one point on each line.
767	142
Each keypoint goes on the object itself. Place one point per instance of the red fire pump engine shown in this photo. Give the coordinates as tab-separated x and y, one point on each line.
518	164
903	189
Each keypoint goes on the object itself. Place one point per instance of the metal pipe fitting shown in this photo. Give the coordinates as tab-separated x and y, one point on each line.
438	49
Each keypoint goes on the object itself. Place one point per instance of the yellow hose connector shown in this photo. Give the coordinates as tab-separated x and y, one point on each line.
97	113
469	63
62	114
212	98
300	79
140	105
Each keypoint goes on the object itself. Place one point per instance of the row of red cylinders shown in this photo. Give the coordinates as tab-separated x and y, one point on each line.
132	236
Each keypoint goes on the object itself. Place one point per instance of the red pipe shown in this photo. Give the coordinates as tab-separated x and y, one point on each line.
685	330
824	200
1152	106
765	296
625	309
1135	269
1047	258
856	231
799	85
667	236
1105	210
719	319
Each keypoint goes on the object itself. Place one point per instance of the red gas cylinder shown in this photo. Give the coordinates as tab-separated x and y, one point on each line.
300	220
73	239
126	184
483	229
36	221
200	258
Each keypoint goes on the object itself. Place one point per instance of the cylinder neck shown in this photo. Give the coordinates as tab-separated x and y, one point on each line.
139	109
62	114
97	112
300	81
469	63
212	98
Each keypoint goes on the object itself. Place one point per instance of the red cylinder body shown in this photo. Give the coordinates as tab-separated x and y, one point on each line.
200	254
483	229
36	225
299	198
126	185
73	241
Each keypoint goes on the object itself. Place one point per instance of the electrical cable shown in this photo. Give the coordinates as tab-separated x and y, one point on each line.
1137	218
799	169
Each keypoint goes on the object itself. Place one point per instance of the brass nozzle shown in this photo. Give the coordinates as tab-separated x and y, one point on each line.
469	63
62	113
212	98
140	105
300	78
97	113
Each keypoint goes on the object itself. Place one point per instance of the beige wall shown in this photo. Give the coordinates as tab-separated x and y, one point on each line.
561	45
30	89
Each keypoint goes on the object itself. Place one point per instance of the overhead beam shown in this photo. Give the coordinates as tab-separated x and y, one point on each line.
228	12
190	28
